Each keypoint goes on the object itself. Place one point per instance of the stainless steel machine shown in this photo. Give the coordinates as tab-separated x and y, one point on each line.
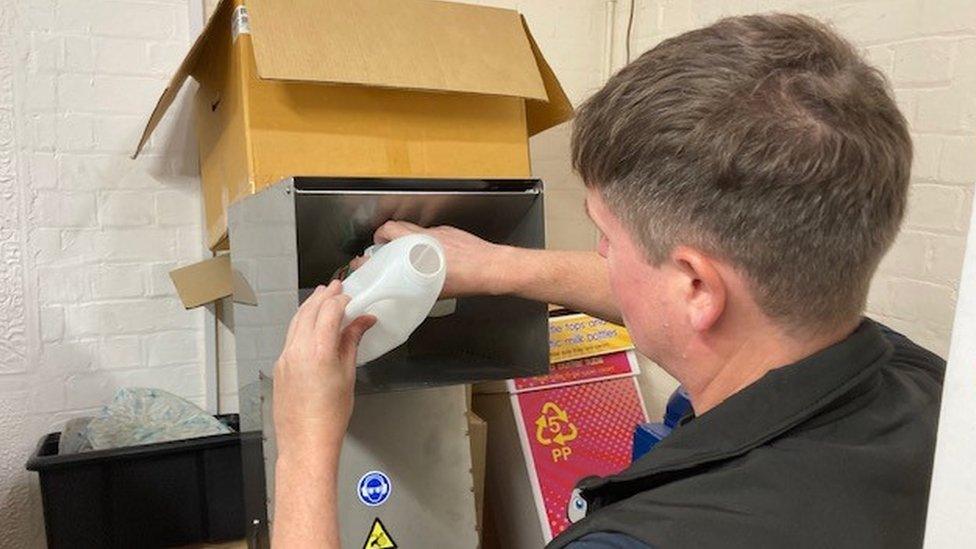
409	423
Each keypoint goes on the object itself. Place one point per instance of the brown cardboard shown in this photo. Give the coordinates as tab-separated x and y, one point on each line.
508	494
210	280
413	88
203	282
478	432
542	115
411	44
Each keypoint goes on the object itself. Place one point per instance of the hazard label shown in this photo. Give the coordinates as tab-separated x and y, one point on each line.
378	537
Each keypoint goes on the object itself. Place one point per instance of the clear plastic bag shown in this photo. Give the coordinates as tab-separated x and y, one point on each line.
144	416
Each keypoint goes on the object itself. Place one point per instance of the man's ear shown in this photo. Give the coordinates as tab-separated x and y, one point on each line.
702	288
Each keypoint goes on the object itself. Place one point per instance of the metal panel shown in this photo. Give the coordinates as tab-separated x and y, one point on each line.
419	440
294	235
262	231
486	337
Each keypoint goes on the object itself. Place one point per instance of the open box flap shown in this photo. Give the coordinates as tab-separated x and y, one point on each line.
542	115
184	70
412	44
210	280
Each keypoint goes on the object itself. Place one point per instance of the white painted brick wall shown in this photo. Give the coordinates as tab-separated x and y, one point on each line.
86	234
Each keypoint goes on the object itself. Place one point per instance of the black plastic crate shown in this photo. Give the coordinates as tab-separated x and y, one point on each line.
155	495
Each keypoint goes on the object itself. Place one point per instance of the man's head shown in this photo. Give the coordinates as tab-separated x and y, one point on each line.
762	145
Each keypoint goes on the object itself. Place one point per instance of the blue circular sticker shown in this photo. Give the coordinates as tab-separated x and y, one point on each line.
374	488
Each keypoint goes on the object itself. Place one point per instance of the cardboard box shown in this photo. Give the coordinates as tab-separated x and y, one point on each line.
478	432
546	433
361	88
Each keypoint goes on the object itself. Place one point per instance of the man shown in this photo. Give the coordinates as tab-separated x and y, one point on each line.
746	178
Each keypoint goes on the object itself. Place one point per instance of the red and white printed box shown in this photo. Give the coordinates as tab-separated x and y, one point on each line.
545	433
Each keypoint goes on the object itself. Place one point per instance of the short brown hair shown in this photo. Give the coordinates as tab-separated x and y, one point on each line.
765	140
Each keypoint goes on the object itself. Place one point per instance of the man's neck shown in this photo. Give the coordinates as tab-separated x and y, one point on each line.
735	362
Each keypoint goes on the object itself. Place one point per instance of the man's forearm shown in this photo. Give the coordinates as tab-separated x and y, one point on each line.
576	280
305	507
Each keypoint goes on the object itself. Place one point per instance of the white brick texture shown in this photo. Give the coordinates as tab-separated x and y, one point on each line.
84	230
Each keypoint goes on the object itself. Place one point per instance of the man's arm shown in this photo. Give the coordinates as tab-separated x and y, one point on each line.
576	280
305	498
313	395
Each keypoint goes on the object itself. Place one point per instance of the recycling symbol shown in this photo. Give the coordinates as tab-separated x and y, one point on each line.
553	426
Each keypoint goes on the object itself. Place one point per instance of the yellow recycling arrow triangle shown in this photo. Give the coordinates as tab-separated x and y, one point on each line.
379	538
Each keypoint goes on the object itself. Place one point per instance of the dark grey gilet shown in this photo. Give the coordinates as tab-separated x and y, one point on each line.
832	451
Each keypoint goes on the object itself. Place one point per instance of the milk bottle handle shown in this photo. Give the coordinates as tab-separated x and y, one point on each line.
355	309
357	305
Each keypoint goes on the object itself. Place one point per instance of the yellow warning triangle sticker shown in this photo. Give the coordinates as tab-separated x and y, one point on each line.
379	538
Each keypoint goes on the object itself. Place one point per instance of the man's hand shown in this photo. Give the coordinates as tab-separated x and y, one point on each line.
313	391
315	375
474	266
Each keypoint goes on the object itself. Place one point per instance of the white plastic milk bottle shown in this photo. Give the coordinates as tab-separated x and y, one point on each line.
398	284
